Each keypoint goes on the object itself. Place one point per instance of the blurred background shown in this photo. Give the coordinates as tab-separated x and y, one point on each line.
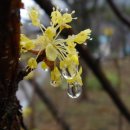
95	109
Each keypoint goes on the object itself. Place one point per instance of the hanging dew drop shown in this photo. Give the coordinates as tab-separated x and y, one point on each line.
74	90
69	74
91	39
46	69
53	83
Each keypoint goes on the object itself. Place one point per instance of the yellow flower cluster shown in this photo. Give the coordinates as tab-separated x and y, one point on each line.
57	50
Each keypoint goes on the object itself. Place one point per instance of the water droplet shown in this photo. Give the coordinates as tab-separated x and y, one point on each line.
85	43
74	90
91	39
66	9
73	12
53	83
67	74
47	69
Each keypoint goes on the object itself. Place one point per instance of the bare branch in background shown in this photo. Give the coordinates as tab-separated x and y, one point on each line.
118	13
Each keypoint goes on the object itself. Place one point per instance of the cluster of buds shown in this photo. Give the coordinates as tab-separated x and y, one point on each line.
59	52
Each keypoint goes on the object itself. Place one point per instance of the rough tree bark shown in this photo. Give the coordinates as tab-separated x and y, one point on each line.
10	116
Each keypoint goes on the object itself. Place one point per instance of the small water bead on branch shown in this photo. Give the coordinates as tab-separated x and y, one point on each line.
55	77
56	49
54	83
85	43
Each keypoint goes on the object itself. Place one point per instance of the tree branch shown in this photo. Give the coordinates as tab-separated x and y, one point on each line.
10	115
118	13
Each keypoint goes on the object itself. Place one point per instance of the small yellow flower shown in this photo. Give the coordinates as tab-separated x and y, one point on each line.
61	20
32	63
56	16
82	36
67	18
50	32
26	43
34	16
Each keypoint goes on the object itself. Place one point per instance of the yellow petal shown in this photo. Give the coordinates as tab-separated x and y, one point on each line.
44	65
64	26
42	41
56	16
32	63
67	18
80	70
26	43
75	59
34	16
50	32
51	52
82	36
